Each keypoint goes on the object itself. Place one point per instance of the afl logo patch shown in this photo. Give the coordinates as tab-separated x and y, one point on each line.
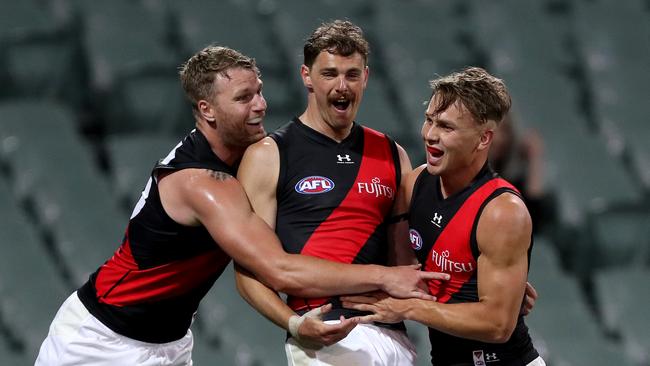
314	184
416	239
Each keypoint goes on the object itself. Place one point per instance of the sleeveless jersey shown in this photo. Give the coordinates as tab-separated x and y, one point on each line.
151	287
333	199
443	236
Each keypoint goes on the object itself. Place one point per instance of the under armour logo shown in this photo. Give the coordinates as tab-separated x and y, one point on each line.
437	219
491	357
344	159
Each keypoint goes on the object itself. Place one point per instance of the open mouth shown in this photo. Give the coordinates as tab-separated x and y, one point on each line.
435	152
341	104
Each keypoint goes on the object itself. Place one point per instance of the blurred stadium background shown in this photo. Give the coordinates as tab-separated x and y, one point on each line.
90	99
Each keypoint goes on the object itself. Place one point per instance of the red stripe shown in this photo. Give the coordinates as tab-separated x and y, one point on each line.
120	282
342	235
455	241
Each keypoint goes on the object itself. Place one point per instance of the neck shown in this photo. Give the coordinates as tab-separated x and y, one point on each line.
453	182
228	154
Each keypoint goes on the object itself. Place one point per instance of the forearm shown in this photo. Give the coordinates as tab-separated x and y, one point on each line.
261	298
478	321
307	276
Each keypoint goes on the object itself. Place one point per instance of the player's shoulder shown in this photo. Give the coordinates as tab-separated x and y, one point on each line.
506	209
262	154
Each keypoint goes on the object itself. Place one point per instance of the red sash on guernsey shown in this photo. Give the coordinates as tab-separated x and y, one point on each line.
455	239
342	235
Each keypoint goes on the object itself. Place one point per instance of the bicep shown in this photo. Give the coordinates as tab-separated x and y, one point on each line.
222	207
258	175
503	235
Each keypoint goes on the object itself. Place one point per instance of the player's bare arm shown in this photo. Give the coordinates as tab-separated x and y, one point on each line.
398	232
258	174
503	235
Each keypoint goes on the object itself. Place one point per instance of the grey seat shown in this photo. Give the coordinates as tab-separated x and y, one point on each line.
9	355
622	294
31	287
132	158
39	52
227	23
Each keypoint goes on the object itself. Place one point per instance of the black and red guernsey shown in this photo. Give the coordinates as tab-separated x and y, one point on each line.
443	236
151	287
333	199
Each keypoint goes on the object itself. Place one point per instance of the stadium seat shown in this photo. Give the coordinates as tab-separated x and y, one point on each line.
419	335
131	66
54	171
574	154
542	46
619	236
31	287
205	353
378	111
29	128
563	328
622	294
619	100
10	356
292	27
150	102
414	54
132	158
227	23
40	53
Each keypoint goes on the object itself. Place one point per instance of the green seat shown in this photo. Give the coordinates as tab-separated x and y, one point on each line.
33	145
10	355
132	157
622	294
56	174
206	353
377	111
496	25
619	100
419	335
226	23
620	236
40	55
292	28
150	102
31	287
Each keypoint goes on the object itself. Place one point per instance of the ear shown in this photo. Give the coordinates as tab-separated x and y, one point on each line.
306	79
366	74
205	110
486	139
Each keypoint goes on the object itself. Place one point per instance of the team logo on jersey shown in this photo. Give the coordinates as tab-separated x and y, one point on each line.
416	239
478	358
314	184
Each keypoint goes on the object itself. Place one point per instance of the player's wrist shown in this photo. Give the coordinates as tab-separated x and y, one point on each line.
294	323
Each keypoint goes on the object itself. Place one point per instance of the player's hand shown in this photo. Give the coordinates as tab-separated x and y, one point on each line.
314	333
384	308
408	281
529	299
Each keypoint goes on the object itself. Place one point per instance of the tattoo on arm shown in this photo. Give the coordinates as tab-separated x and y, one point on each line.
219	175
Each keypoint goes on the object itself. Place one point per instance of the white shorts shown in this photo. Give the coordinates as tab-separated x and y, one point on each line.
366	345
77	338
537	362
